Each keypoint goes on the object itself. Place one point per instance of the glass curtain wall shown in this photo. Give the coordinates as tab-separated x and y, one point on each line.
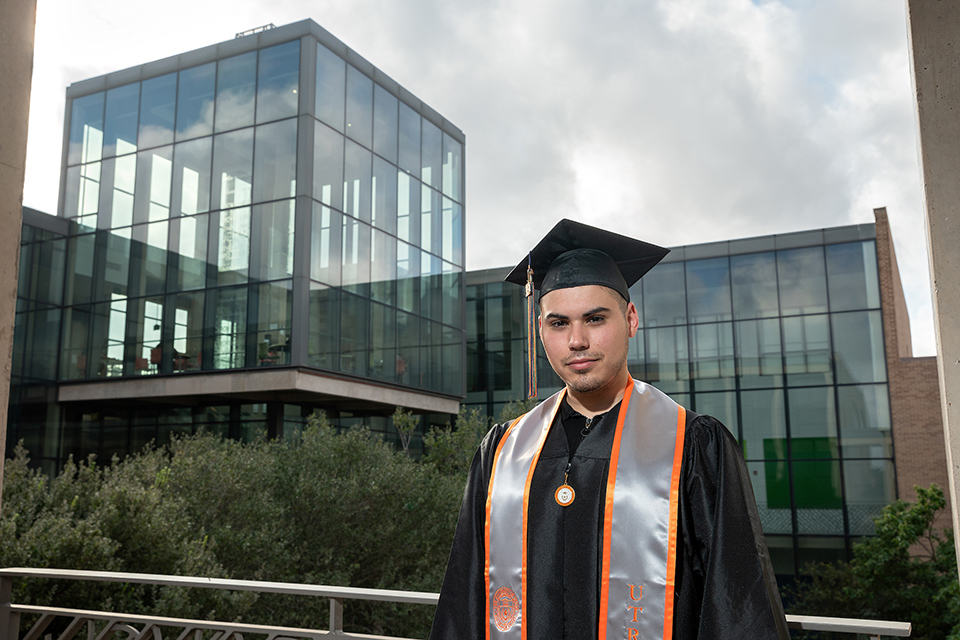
785	347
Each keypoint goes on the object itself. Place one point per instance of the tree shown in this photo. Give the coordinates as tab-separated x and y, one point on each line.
907	572
405	423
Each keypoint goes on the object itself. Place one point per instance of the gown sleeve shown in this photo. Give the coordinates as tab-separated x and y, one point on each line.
461	611
725	583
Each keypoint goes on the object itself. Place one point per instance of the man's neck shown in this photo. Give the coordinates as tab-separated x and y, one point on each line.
599	401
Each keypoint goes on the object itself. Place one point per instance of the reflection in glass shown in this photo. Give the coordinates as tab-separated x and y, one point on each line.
764	425
806	347
852	276
148	261
708	290
359	107
408	348
328	166
385	123
754	285
229	327
383	343
452	171
191	176
813	423
668	362
357	183
384	210
409	140
865	421
120	125
712	356
722	406
277	223
86	129
149	348
803	284
233	259
431	155
663	301
278	80
325	245
408	277
331	78
431	287
355	254
275	302
275	162
818	496
124	184
192	252
82	200
869	488
116	269
236	86
80	269
771	482
158	99
324	332
759	358
354	333
74	359
858	343
151	201
187	331
232	167
383	269
195	102
408	208
452	245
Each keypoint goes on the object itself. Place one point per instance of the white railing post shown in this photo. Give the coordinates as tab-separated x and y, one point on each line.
336	615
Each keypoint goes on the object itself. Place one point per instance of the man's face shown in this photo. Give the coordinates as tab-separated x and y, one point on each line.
585	334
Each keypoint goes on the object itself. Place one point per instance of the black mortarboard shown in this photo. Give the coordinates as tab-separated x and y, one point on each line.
575	255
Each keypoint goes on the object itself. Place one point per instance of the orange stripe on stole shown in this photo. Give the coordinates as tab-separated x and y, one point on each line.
672	532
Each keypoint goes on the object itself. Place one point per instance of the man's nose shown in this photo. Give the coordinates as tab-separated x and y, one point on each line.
578	338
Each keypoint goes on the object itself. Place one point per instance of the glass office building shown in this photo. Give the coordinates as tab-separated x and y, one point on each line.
781	338
272	202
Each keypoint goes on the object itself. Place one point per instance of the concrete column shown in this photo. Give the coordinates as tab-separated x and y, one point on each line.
934	27
18	19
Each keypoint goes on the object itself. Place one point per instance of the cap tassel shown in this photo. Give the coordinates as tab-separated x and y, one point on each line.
531	335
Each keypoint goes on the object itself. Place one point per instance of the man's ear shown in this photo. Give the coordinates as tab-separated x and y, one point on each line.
633	319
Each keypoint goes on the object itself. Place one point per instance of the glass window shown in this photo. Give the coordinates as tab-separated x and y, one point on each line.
865	421
764	425
430	221
278	79
43	347
275	162
325	244
232	168
452	168
359	107
712	355
383	268
664	303
328	166
452	299
195	101
191	176
277	224
158	100
229	327
820	549
120	125
803	283
771	488
80	271
124	185
852	276
409	140
384	211
431	287
452	241
275	303
236	88
431	355
357	181
708	290
759	357
75	359
147	322
82	200
668	361
432	155
451	380
385	123
86	129
383	342
858	343
355	254
149	258
870	486
233	259
49	271
636	356
110	321
151	201
331	79
191	255
116	266
408	208
408	277
722	406
813	423
818	497
754	285
323	338
354	334
806	347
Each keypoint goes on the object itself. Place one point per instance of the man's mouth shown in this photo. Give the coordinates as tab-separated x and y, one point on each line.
581	364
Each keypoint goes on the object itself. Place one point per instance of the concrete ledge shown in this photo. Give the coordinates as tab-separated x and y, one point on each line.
288	384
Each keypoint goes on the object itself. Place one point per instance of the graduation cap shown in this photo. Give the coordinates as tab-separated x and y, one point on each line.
575	255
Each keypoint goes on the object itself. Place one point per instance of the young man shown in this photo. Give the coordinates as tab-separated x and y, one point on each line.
608	511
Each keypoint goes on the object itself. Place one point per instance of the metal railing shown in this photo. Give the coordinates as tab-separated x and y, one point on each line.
102	625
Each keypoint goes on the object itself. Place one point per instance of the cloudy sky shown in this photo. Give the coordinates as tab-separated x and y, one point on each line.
676	121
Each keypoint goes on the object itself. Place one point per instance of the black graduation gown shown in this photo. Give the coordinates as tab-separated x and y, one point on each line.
725	587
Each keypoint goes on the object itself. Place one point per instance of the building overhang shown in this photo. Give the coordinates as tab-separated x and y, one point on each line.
262	385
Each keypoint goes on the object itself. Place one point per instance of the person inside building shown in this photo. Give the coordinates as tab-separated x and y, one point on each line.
608	511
